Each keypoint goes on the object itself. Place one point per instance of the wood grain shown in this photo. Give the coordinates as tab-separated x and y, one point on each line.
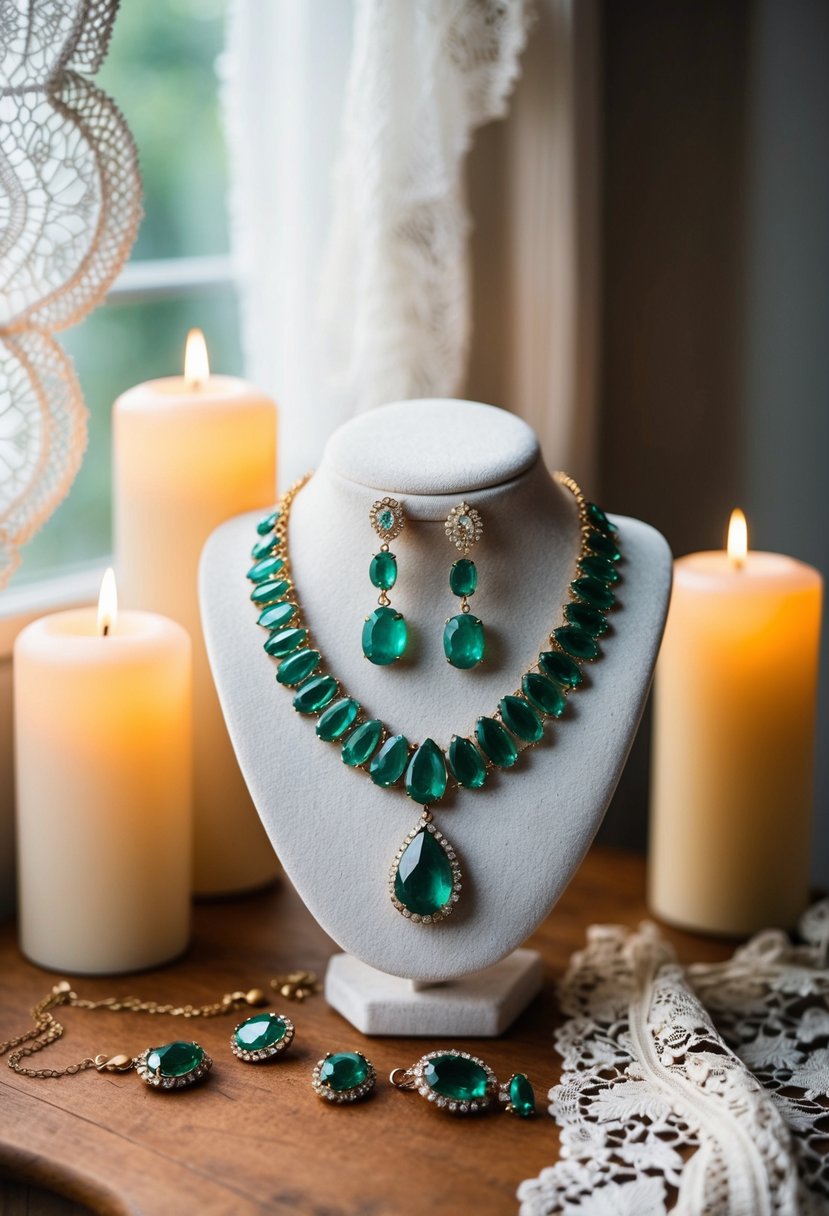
256	1139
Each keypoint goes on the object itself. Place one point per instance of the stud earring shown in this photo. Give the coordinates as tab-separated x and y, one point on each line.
463	635
518	1096
261	1037
344	1076
384	632
453	1080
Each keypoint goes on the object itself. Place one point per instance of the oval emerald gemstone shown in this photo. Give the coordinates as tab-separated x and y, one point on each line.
385	519
362	743
285	641
496	741
598	518
314	694
260	1031
521	719
521	1096
463	640
593	592
277	615
175	1059
270	590
335	721
384	636
266	568
576	642
424	879
387	766
454	1077
297	667
466	762
383	571
544	694
268	523
426	774
344	1070
600	568
560	667
463	577
587	618
262	548
605	546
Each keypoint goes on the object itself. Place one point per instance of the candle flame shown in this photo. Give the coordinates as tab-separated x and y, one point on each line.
107	604
196	363
737	544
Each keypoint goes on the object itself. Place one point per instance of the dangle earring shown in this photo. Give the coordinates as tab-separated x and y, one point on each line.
463	635
384	632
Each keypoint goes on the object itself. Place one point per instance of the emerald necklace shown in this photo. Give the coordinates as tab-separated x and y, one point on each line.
425	877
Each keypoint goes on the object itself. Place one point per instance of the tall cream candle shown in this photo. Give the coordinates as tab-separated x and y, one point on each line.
733	747
189	452
103	766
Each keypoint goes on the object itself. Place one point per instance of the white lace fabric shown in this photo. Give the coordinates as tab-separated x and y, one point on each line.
693	1093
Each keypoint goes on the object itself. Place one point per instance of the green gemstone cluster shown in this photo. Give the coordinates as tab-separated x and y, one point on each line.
455	1081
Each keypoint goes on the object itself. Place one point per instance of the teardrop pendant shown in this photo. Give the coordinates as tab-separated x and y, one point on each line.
425	876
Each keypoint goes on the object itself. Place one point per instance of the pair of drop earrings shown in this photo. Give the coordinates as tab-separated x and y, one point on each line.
385	632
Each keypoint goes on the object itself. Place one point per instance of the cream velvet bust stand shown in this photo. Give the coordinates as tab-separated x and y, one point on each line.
521	838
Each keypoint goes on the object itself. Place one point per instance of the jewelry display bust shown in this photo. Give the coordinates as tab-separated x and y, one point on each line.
522	836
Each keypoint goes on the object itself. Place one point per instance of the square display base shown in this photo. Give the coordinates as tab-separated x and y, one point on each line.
483	1004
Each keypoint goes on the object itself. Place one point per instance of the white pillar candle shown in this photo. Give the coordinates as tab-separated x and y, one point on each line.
189	452
733	748
104	790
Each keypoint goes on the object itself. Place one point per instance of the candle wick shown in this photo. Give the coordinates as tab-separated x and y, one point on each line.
105	631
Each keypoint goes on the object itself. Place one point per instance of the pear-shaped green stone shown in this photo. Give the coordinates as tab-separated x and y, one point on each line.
267	524
384	636
285	641
277	616
383	570
361	744
593	592
424	879
561	668
463	577
605	546
521	1096
463	640
297	667
576	642
269	591
426	774
262	548
521	719
544	694
453	1077
266	568
598	518
600	568
466	762
315	694
587	618
260	1031
496	741
175	1059
335	721
344	1070
388	765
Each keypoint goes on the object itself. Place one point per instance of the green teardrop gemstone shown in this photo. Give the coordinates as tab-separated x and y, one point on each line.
387	766
266	568
544	694
362	743
269	591
335	721
463	577
424	879
467	763
575	642
262	548
593	592
495	740
344	1070
314	694
521	1096
598	518
268	523
285	641
297	667
560	667
426	774
260	1032
521	719
175	1059
587	618
600	568
453	1077
383	571
463	640
277	615
384	636
605	546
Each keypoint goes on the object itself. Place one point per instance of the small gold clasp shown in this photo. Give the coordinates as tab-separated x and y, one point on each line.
402	1078
119	1063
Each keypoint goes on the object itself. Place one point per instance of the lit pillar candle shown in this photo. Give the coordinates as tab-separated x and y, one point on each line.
733	746
189	452
104	796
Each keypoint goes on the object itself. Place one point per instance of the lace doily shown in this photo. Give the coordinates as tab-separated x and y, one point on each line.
69	211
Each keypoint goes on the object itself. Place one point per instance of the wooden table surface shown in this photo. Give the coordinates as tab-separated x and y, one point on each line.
257	1139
